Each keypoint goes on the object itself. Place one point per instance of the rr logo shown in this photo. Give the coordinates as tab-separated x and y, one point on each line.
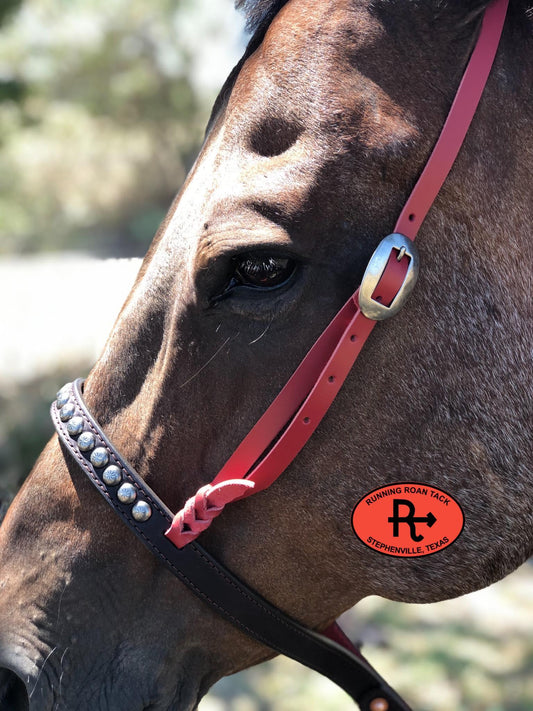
410	519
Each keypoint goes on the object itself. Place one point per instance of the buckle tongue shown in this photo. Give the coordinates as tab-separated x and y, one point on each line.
404	247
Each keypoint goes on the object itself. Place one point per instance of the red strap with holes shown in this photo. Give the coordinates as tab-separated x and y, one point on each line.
305	399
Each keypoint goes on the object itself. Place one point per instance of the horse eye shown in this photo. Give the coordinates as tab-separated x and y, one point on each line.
262	271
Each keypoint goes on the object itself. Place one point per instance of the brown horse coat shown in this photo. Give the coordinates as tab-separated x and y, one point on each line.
312	149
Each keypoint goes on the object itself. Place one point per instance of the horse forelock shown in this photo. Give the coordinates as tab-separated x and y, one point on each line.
259	12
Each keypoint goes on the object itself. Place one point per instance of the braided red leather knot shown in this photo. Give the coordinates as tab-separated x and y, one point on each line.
203	507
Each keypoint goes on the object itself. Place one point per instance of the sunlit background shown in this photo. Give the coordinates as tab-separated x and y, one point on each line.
103	104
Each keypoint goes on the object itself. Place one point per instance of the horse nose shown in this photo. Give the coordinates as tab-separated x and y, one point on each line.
13	693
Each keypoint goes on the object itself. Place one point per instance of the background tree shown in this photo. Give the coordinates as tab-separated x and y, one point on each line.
102	113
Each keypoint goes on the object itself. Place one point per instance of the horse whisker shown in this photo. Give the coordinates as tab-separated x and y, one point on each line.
41	671
228	339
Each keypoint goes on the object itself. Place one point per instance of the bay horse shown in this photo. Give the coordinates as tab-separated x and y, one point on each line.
314	143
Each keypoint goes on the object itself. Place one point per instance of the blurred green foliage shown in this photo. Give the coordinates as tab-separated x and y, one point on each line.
25	426
10	89
101	117
7	8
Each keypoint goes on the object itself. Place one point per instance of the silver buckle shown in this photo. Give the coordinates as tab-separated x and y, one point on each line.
376	266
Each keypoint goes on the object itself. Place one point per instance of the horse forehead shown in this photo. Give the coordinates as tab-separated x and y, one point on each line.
308	48
335	27
320	63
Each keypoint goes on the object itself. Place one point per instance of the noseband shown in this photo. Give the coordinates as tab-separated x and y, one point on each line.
296	412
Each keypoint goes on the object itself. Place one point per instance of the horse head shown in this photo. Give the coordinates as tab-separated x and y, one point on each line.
313	146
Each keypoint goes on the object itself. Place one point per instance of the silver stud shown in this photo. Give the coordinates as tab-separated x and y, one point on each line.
75	426
141	511
127	494
63	396
67	411
112	475
66	386
99	457
86	441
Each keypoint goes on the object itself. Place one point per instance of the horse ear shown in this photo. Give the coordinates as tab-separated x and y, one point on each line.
259	12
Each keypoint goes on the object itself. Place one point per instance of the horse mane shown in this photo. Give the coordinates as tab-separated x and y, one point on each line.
259	12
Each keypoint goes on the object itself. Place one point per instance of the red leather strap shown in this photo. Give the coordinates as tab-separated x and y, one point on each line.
205	505
310	391
307	396
336	633
457	123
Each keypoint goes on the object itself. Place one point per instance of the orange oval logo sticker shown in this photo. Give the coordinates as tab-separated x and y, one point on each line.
407	519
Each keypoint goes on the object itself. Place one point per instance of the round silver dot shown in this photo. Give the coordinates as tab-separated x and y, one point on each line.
141	511
67	411
86	441
127	494
99	457
75	426
65	387
63	396
112	475
62	399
